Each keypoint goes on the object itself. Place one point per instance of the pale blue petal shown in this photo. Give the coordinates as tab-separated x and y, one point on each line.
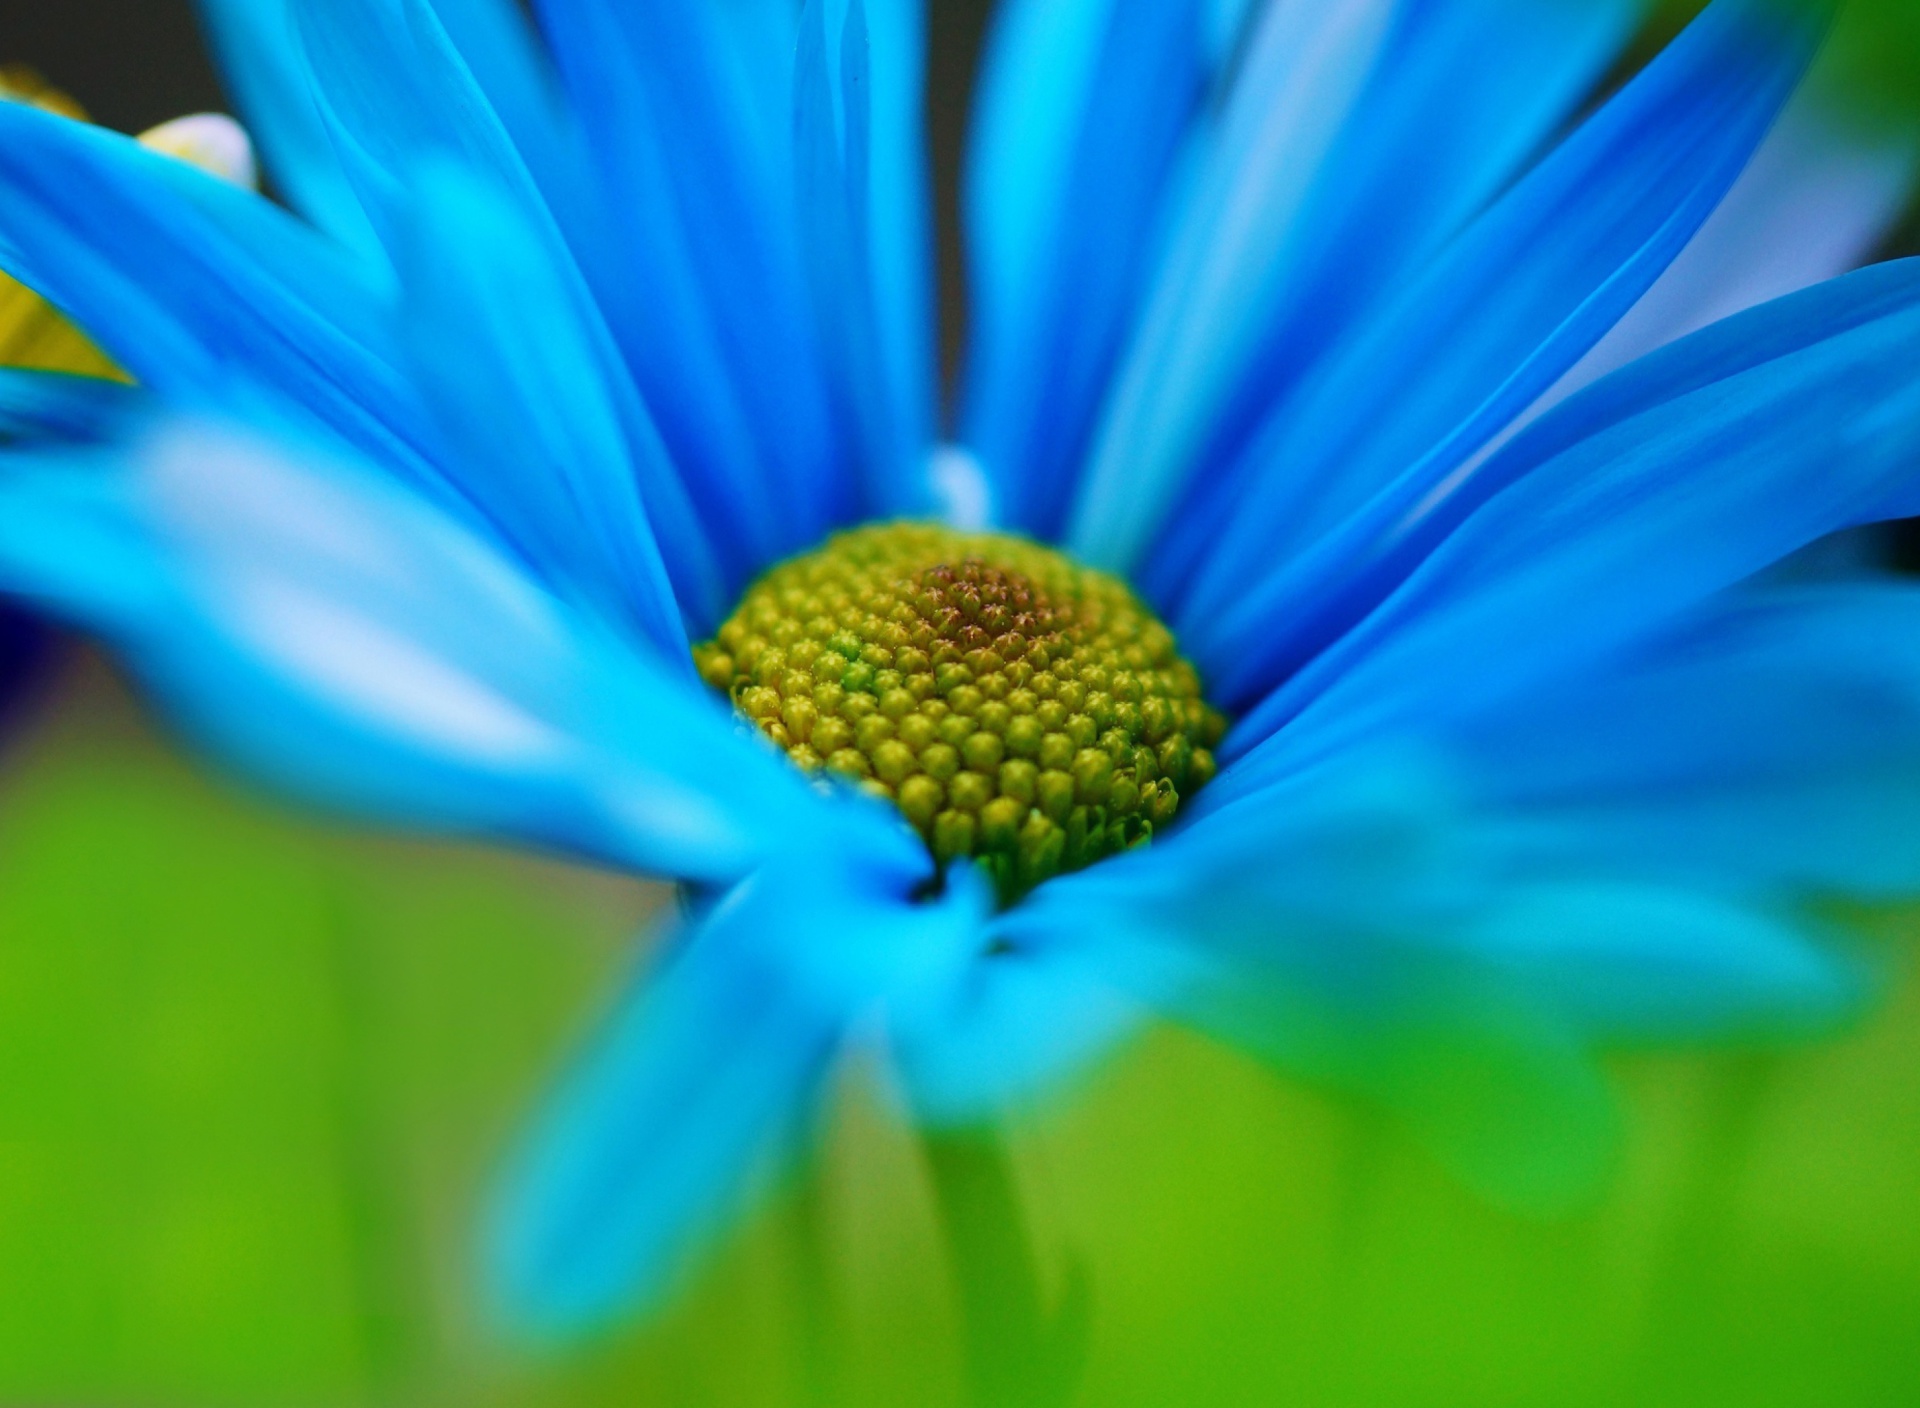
1771	747
1464	96
341	638
1045	1000
710	1068
1330	930
1514	303
1306	67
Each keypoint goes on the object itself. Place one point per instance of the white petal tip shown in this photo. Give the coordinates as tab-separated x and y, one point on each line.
211	141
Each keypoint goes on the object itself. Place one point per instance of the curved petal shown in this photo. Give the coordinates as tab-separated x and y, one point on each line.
1386	924
1305	71
209	295
1820	195
1664	483
866	256
344	639
266	71
1329	930
1308	204
1513	303
675	100
711	1066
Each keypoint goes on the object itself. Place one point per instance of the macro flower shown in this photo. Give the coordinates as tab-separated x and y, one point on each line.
1299	635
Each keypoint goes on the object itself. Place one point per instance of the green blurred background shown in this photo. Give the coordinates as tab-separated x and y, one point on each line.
254	1074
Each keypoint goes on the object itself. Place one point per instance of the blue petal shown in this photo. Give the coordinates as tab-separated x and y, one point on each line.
344	639
1657	487
1303	213
712	1066
1515	302
392	89
674	98
266	70
877	355
1771	747
36	405
536	407
637	265
1466	93
209	295
1081	111
1306	68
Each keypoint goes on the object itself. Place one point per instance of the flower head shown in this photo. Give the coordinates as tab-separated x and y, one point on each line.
499	492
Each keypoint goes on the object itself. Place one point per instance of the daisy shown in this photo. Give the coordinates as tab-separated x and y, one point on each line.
1298	635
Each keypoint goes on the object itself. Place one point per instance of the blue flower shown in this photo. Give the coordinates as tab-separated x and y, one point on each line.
1291	313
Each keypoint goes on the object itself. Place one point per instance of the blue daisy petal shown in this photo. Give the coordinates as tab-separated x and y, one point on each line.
1083	107
1515	302
266	70
1659	486
1301	215
207	294
674	101
523	379
342	638
712	1067
36	405
1447	120
1767	747
868	263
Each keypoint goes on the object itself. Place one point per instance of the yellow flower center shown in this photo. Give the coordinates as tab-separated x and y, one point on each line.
1017	708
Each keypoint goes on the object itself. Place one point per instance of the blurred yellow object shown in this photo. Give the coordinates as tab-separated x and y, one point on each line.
33	333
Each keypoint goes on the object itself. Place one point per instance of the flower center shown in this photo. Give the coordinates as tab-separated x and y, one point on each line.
1017	708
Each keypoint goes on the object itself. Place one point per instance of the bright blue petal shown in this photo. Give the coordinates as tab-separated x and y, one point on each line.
536	408
1464	95
1081	111
1514	303
714	1064
1306	67
266	70
1043	1002
36	405
675	99
846	225
344	639
1305	212
1659	486
637	266
393	89
207	294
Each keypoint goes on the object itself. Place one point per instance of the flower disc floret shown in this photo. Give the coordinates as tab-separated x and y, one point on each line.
1016	707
